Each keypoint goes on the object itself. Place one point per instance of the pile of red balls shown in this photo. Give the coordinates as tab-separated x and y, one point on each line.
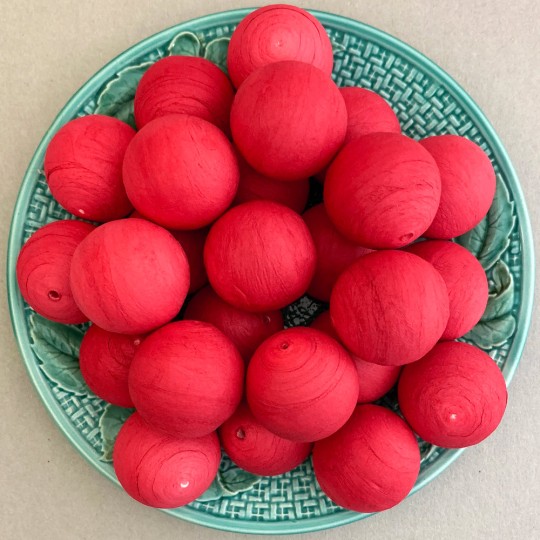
212	188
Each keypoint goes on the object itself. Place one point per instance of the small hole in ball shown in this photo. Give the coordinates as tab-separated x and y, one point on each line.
184	484
136	342
284	346
266	319
54	296
407	237
240	433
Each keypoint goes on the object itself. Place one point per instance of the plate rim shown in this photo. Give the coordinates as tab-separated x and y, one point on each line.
16	305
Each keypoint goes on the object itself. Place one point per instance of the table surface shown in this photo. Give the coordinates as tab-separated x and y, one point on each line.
48	50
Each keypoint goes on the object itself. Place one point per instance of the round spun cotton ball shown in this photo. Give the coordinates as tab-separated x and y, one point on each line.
465	280
323	322
374	380
180	172
104	359
259	451
129	276
246	330
468	185
454	397
186	378
43	270
83	167
184	85
254	186
275	33
334	252
259	256
382	190
301	385
367	112
371	463
390	307
192	243
288	119
162	471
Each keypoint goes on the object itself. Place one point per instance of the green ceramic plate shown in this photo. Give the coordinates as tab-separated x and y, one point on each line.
428	102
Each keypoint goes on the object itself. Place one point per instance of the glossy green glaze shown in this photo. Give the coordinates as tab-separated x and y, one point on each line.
428	102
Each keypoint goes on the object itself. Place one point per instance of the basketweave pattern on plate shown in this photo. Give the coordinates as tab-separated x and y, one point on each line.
424	107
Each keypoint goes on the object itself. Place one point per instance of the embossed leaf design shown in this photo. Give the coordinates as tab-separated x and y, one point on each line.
214	492
216	51
501	298
498	323
229	481
185	44
235	480
116	99
111	421
474	239
57	347
491	237
490	334
424	447
67	339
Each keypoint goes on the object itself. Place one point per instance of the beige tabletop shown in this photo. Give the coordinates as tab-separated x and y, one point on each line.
48	49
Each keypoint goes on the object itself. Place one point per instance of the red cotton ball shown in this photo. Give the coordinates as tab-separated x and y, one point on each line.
255	186
246	330
468	185
390	307
104	359
43	270
454	397
301	385
367	113
334	252
465	280
371	464
323	323
186	378
275	33
374	380
180	172
129	276
259	256
382	190
184	85
162	471
192	243
288	119
83	167
259	451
